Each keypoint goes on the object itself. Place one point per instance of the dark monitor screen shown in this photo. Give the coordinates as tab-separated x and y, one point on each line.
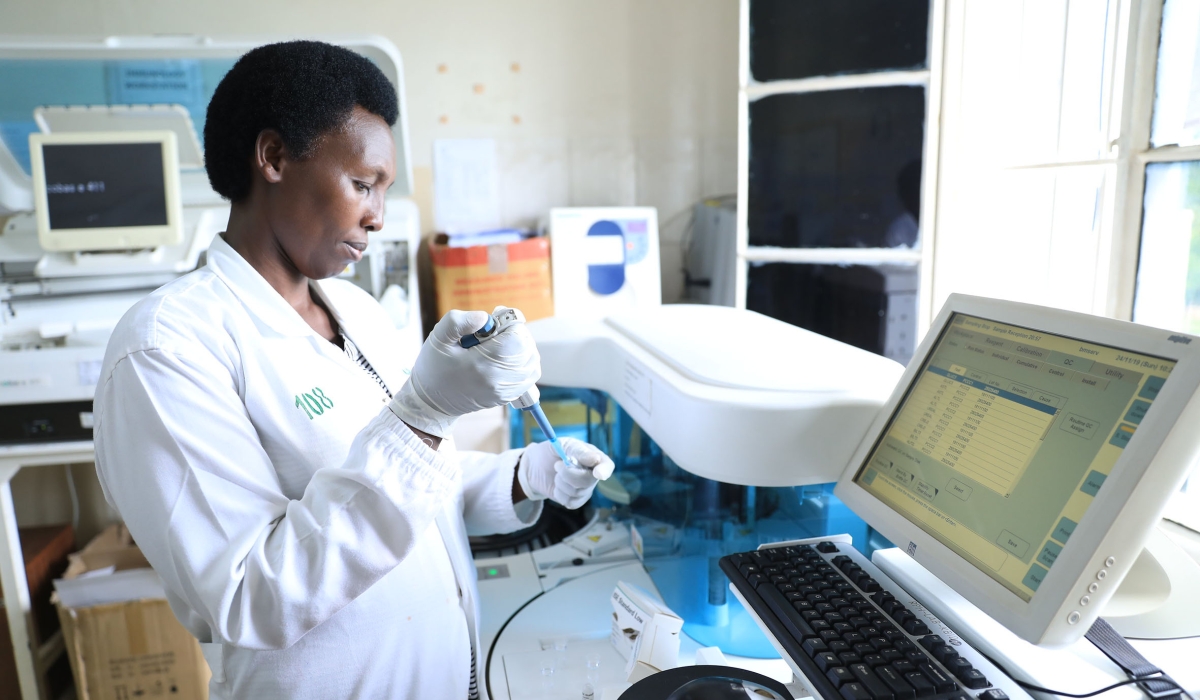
105	185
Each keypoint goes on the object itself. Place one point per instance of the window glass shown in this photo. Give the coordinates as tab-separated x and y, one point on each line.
1177	81
873	308
837	169
1168	282
805	38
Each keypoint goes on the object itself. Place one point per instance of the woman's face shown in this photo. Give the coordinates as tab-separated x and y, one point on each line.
324	206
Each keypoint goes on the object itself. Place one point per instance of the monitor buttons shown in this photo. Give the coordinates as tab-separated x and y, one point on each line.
1093	588
1111	561
1073	618
1101	574
1085	600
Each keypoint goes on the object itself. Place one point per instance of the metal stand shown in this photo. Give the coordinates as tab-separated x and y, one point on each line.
31	663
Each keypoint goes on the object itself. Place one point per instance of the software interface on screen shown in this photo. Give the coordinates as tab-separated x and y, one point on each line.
1004	439
105	185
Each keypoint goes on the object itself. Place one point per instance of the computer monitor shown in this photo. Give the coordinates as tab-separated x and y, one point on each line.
106	190
1026	455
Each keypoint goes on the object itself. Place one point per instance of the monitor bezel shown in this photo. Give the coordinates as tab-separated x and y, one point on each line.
1046	618
107	238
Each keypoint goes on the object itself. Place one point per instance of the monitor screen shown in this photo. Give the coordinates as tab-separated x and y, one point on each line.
106	190
104	185
1004	438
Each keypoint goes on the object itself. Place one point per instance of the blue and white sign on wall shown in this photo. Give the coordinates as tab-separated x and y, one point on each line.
604	259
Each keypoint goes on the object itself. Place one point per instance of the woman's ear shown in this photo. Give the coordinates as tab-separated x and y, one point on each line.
269	155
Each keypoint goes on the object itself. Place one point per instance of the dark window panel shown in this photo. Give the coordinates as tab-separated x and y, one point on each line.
847	303
838	169
806	38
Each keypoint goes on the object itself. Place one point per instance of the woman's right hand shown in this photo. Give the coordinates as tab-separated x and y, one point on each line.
449	381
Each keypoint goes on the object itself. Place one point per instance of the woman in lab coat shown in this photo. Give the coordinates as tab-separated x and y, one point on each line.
258	430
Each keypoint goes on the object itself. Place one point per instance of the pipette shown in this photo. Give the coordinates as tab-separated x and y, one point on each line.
503	317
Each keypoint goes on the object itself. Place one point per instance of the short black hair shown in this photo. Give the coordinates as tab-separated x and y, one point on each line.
302	89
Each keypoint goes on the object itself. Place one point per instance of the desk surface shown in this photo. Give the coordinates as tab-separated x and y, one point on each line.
579	612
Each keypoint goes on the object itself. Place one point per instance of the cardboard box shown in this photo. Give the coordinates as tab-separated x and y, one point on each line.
125	649
484	277
644	631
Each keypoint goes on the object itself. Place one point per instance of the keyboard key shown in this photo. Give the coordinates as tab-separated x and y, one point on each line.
904	666
993	694
829	635
869	585
776	553
974	680
850	657
871	682
826	547
879	643
826	660
858	621
920	683
893	635
931	641
839	646
756	580
864	648
874	660
917	657
809	614
834	618
748	569
855	691
895	682
840	627
945	654
778	579
959	666
838	675
916	627
820	624
940	681
785	587
822	607
772	570
869	631
893	656
814	645
902	616
855	638
882	597
802	605
841	560
903	645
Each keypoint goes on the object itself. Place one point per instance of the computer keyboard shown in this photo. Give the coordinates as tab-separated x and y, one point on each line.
852	632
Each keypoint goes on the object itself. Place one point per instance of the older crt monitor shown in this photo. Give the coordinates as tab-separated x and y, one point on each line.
106	190
1026	455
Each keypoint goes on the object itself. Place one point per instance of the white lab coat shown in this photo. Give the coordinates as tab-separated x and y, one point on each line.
312	543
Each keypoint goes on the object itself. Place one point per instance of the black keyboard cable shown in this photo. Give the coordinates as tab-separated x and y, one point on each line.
1039	689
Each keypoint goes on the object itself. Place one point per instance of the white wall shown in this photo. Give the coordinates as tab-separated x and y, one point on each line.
591	102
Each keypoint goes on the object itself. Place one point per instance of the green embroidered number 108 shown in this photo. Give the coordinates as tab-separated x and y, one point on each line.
314	402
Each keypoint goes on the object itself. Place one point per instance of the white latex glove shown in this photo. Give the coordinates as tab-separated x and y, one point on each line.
543	475
449	381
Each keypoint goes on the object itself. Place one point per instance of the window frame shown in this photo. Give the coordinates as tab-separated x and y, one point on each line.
921	256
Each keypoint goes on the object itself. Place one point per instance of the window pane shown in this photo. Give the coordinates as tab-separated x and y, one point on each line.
873	308
1177	82
838	169
1168	283
805	38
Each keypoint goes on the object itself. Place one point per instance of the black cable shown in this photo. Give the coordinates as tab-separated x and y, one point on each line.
1039	689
